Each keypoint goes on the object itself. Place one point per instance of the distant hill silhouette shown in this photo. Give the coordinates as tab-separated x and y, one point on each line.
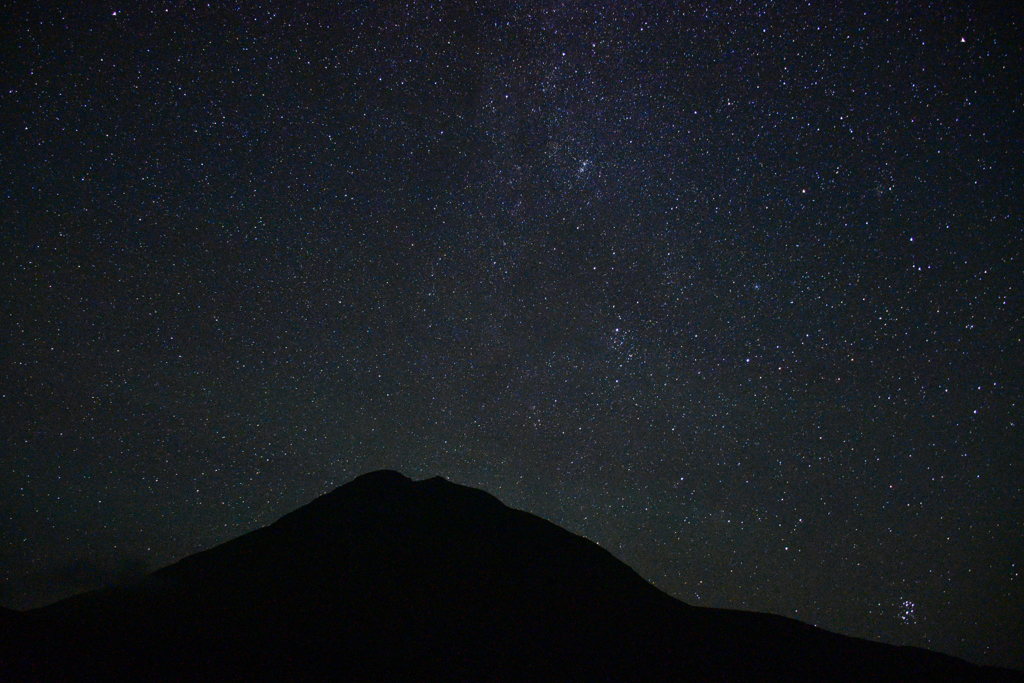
386	579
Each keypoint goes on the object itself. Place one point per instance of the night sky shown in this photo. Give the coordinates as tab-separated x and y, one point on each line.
731	288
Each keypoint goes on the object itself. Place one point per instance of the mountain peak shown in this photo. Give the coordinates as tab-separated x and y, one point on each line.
379	478
369	486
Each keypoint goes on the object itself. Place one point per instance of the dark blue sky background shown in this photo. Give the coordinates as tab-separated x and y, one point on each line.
731	288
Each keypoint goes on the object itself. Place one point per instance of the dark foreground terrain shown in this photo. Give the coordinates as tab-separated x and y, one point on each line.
390	579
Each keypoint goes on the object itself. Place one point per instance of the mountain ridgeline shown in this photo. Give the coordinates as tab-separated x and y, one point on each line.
387	579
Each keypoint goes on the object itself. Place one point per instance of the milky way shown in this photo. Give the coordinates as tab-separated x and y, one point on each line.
733	289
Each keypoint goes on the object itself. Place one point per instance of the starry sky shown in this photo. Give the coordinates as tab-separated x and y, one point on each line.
731	288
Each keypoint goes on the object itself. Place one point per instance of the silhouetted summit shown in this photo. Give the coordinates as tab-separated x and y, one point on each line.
386	578
381	479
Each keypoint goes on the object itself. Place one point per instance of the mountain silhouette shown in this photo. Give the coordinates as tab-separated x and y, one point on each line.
387	578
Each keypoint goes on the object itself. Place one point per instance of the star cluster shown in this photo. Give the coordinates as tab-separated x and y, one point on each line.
731	288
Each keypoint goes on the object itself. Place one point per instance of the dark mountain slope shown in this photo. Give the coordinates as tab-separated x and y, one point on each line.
386	579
